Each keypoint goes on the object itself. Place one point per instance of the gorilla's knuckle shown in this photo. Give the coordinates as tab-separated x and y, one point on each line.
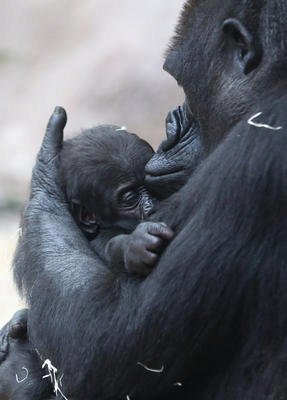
164	231
167	233
150	258
153	228
154	242
142	228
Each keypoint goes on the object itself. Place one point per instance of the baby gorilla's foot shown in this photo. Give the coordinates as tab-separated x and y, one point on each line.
145	245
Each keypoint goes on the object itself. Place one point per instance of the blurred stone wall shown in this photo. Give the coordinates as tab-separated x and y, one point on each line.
101	60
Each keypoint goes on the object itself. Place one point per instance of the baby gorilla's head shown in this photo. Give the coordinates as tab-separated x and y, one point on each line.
103	175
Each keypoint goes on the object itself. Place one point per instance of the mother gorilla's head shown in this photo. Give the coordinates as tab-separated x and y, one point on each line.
225	55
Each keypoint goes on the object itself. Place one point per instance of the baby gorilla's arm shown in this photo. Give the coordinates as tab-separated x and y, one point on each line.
139	251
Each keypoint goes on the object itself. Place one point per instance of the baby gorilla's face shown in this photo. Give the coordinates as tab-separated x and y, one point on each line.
104	176
123	207
133	202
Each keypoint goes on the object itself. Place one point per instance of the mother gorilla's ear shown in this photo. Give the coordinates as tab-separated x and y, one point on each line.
244	47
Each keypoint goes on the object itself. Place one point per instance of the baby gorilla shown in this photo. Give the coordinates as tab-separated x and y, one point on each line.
103	173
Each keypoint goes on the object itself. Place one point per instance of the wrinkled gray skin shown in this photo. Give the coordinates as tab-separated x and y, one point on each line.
203	313
177	156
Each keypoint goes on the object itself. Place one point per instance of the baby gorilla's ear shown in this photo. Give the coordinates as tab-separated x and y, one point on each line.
86	220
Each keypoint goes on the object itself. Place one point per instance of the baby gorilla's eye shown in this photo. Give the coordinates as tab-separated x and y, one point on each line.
129	199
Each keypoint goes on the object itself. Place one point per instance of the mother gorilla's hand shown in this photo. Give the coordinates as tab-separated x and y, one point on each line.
45	173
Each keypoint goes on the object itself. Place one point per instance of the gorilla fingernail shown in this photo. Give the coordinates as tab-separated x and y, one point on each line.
58	110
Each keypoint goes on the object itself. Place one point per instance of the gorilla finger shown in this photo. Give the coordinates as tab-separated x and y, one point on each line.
162	230
154	243
150	258
143	270
53	138
139	269
172	130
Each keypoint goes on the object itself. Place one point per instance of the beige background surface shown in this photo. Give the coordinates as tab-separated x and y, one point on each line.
101	60
9	300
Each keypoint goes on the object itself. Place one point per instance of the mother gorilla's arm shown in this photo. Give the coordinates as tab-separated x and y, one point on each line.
94	326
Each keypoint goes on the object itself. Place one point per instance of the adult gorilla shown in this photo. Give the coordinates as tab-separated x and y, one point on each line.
213	312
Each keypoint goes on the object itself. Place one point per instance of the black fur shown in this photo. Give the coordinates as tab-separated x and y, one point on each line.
20	361
213	312
98	168
103	174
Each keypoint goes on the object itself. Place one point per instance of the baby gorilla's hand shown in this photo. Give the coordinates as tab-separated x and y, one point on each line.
145	245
